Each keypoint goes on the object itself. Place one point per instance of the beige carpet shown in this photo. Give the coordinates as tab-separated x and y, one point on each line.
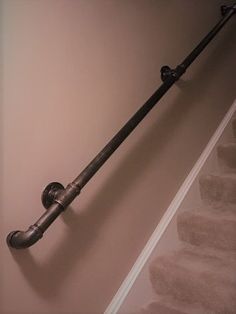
200	278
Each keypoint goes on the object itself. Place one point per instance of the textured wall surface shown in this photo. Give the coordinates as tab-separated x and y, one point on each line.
73	73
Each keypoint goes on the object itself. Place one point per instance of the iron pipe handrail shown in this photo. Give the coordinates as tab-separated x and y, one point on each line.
56	198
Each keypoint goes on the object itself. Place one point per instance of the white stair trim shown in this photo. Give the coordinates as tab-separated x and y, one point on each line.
127	284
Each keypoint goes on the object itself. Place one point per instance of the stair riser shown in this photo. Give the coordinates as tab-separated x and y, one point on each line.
216	189
156	308
207	232
202	288
234	127
227	157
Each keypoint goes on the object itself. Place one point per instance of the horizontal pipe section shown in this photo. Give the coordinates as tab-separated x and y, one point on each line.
24	239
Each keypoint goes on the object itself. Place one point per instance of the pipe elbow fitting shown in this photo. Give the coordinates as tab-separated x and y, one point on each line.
24	239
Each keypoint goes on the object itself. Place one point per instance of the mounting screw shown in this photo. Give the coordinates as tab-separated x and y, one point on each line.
50	192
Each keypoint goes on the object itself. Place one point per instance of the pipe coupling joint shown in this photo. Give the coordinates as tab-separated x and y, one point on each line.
67	195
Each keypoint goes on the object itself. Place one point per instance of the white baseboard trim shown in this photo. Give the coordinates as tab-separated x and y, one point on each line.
127	284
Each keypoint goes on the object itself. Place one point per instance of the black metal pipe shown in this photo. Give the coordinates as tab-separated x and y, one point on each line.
56	198
115	142
228	12
23	239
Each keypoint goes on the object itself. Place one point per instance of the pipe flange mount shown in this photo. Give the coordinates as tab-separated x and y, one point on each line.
49	194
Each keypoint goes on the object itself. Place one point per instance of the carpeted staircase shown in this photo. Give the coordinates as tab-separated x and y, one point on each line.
200	278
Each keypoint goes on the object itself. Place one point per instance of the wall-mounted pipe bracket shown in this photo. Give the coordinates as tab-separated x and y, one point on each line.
56	193
226	8
51	191
167	72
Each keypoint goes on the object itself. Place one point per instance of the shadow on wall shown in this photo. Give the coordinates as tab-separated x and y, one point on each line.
83	227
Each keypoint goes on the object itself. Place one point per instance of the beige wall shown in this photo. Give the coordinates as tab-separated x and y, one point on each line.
73	73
